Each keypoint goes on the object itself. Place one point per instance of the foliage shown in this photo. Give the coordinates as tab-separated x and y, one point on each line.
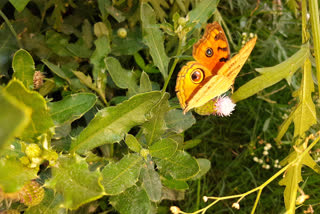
88	108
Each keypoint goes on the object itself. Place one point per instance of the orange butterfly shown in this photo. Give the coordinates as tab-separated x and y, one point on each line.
213	73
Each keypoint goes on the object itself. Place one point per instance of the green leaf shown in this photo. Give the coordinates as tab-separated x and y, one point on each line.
151	183
122	78
203	11
129	45
293	177
40	119
156	126
133	143
13	175
174	184
163	148
87	33
117	177
154	39
133	201
145	83
112	123
189	144
181	166
79	49
57	43
19	4
115	13
49	205
14	117
305	113
57	70
271	75
8	45
179	122
23	67
97	60
71	107
205	166
72	178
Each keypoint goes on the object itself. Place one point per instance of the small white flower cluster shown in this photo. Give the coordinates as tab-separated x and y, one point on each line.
264	160
245	38
224	106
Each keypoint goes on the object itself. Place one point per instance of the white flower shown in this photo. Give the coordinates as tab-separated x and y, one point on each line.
236	206
265	153
224	106
255	159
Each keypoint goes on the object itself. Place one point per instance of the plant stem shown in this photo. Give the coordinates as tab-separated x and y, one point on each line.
314	14
11	28
176	60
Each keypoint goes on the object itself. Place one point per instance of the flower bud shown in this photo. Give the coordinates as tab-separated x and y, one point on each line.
122	33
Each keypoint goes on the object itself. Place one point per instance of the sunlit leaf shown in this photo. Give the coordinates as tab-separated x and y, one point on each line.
111	123
204	165
72	178
14	117
271	75
153	38
133	143
40	119
117	177
13	175
56	70
19	4
23	67
145	83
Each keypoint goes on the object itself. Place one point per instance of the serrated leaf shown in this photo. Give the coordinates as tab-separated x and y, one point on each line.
179	122
23	67
181	166
111	123
203	11
156	126
13	175
133	201
305	113
40	119
14	117
163	148
151	183
174	184
72	178
71	107
133	143
271	75
145	83
122	78
56	70
153	38
49	205
117	177
19	4
204	165
293	177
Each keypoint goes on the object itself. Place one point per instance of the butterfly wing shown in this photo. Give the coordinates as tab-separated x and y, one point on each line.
221	82
212	50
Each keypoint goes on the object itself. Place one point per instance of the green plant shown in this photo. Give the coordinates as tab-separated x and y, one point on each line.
86	113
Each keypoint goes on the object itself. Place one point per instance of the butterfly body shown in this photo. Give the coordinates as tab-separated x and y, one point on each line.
213	73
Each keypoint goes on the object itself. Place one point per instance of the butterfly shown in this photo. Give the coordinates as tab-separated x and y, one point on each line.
213	73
